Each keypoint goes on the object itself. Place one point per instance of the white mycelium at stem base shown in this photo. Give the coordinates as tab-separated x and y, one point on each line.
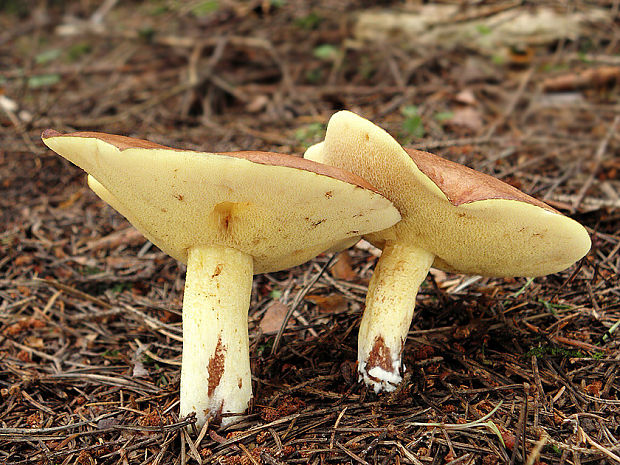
389	309
215	373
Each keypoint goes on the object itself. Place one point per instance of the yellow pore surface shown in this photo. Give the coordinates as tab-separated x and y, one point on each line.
281	216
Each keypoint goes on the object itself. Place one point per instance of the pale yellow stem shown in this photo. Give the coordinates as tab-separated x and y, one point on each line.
215	372
389	309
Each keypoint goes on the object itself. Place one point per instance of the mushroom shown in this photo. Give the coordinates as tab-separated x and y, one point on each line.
453	218
227	216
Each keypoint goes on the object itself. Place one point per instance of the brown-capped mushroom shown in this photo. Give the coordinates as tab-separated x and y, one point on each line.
453	218
227	216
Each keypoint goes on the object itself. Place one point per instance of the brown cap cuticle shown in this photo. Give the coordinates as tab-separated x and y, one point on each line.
263	158
462	184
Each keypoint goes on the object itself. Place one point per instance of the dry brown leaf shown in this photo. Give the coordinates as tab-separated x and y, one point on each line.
342	268
34	342
273	318
466	97
23	260
594	388
467	117
329	303
71	200
258	103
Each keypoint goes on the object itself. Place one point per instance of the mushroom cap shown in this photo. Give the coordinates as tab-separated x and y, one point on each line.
280	209
472	223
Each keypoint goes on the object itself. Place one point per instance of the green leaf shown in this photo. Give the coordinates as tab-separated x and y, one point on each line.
483	29
551	307
443	116
15	7
413	123
542	351
146	33
159	8
76	51
310	134
43	80
498	59
525	286
120	287
493	427
409	111
47	56
91	270
414	127
309	22
326	52
314	75
205	8
583	57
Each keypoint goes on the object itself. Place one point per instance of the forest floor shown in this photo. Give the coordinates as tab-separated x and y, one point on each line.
499	371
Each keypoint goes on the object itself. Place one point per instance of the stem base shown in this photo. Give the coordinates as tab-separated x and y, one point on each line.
389	310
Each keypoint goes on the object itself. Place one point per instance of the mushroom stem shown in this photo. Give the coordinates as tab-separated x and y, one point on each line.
215	371
389	309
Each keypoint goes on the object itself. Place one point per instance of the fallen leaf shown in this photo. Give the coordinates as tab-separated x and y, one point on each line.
24	356
467	117
257	104
329	303
23	260
342	267
594	388
466	97
273	318
71	200
34	342
287	406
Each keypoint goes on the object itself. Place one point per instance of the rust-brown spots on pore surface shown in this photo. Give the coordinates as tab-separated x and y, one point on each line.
240	383
380	356
463	185
217	271
215	367
225	213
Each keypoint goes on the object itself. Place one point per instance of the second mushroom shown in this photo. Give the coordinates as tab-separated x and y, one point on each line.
453	218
